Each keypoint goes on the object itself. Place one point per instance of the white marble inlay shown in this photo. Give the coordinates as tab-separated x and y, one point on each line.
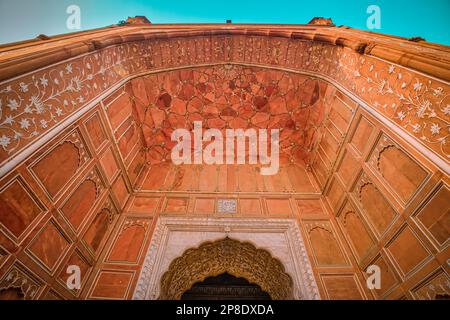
227	205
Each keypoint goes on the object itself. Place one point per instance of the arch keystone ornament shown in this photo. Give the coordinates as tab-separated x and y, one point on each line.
240	259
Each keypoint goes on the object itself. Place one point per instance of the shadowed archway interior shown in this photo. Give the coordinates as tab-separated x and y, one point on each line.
225	287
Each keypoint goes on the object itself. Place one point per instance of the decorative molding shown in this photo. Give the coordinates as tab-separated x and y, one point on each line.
142	223
17	279
435	286
383	144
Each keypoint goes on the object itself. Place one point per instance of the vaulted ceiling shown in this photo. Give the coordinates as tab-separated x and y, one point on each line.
232	97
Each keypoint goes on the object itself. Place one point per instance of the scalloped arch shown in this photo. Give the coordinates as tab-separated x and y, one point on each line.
240	259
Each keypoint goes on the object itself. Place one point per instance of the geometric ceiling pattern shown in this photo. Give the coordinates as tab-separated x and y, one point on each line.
232	97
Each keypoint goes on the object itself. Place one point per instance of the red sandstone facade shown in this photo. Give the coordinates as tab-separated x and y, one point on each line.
85	127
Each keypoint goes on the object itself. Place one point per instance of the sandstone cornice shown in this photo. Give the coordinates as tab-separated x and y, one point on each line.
431	59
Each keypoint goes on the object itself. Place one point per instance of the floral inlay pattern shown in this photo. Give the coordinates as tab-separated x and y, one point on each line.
33	104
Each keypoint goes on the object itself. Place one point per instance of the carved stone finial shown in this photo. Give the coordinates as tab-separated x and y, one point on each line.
416	39
321	21
43	37
138	20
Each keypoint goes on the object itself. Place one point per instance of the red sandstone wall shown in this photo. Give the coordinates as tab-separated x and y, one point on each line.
390	207
383	206
59	207
385	203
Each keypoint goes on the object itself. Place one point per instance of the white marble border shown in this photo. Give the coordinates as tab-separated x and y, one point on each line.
296	262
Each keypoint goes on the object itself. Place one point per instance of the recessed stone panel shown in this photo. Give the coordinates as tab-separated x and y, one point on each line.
59	165
129	241
435	215
49	245
144	205
18	207
335	193
310	207
120	190
119	110
362	133
204	205
76	259
402	173
278	206
325	246
99	227
82	200
95	130
112	285
375	207
356	231
109	164
250	206
407	251
348	168
128	140
388	276
341	287
176	205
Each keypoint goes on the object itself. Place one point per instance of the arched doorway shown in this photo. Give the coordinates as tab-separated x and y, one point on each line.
235	258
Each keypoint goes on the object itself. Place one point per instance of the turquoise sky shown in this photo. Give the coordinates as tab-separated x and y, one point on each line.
25	19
